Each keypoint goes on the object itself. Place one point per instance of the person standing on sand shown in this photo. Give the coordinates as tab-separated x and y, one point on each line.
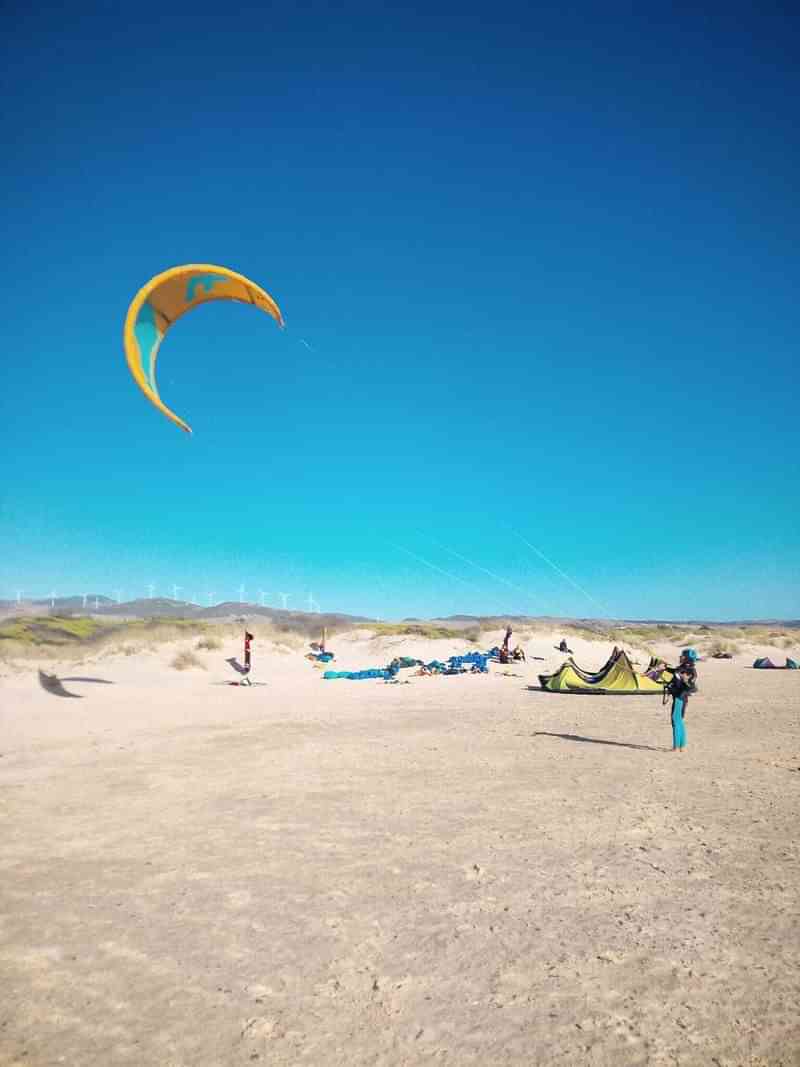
248	637
684	683
504	652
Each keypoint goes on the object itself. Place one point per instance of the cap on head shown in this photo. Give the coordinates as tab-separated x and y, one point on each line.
690	654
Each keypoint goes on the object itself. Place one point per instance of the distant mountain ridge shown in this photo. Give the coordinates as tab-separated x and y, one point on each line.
168	608
161	608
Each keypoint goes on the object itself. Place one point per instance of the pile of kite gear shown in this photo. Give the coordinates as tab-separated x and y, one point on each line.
616	676
722	655
471	663
357	676
766	664
319	654
400	663
320	657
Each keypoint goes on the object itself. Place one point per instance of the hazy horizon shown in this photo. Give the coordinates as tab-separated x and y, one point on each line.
110	604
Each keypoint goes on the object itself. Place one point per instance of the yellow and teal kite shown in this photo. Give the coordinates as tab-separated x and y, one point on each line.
168	296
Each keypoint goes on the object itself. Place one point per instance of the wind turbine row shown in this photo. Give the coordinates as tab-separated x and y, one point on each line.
313	605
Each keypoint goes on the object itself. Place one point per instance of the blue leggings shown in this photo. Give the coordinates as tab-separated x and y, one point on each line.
678	728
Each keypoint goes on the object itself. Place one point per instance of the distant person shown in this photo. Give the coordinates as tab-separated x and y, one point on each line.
504	653
563	647
248	637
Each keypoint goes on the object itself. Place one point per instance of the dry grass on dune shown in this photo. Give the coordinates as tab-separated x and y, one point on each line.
432	631
208	644
707	639
77	638
186	660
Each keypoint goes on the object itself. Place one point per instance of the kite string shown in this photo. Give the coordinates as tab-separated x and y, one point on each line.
496	577
563	574
433	567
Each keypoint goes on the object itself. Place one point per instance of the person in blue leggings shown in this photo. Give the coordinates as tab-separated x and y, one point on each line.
679	688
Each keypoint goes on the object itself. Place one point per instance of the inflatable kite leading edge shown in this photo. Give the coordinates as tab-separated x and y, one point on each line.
163	300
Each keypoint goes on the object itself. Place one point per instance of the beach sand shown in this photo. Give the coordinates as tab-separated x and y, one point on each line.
457	870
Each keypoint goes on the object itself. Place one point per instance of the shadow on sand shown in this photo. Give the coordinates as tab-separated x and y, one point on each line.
237	666
52	684
601	741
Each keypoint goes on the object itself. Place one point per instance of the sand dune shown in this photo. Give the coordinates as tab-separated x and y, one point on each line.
458	869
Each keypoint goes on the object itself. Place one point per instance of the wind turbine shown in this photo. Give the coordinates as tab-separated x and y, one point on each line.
284	597
119	595
241	594
84	600
96	603
52	599
175	590
261	595
209	595
312	604
151	589
19	595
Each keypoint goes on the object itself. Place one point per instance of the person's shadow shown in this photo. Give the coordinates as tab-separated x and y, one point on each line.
237	666
601	741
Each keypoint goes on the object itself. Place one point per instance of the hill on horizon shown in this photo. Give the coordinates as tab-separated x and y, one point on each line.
167	608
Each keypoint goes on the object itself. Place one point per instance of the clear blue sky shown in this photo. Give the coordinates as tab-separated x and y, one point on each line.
545	261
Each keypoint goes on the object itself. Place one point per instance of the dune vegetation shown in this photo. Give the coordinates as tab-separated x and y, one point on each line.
186	659
76	637
431	630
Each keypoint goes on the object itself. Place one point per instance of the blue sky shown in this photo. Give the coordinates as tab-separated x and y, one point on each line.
539	273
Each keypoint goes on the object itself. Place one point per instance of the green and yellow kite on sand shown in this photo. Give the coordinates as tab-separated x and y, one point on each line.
617	676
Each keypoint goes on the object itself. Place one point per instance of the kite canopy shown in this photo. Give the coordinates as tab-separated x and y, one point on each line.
616	676
168	296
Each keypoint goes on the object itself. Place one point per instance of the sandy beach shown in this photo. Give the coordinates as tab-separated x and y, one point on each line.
459	870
